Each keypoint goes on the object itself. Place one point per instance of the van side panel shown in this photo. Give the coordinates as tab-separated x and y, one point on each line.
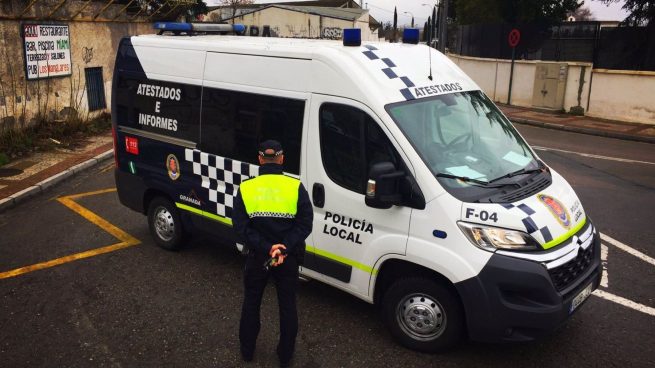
155	122
259	71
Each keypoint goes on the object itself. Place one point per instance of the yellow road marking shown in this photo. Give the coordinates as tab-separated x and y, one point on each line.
80	195
126	240
107	168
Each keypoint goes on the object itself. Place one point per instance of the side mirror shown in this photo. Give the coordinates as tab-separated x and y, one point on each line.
383	189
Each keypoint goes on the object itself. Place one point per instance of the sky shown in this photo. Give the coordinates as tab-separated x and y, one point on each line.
382	10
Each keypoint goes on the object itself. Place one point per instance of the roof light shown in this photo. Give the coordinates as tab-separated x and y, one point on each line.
172	26
411	35
199	27
239	29
352	37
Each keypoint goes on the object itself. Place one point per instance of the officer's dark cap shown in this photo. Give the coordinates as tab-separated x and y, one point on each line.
270	148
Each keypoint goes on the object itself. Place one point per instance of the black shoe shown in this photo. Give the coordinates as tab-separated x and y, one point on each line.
285	364
246	357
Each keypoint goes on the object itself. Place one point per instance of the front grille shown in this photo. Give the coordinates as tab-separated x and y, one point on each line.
564	275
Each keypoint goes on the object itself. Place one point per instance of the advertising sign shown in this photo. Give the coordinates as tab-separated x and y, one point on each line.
47	50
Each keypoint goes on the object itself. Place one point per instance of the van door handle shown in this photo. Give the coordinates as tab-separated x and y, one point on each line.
318	195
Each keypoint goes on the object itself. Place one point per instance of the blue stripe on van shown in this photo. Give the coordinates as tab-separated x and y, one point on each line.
529	224
389	72
407	94
389	63
407	82
546	234
371	55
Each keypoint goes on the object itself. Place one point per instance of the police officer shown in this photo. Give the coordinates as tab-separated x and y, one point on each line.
273	216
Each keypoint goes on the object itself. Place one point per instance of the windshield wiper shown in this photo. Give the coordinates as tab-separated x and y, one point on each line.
515	173
478	183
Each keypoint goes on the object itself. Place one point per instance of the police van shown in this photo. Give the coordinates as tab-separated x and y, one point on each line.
427	201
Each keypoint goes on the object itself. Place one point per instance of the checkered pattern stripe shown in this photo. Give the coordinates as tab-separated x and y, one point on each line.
373	53
528	221
221	177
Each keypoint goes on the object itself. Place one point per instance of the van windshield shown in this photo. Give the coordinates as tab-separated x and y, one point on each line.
464	139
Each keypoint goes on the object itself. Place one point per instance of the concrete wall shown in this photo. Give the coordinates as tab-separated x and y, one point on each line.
93	44
289	23
623	95
610	94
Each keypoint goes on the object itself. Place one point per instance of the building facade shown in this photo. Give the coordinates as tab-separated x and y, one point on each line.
309	19
57	58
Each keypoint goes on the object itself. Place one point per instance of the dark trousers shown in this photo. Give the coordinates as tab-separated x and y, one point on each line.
255	278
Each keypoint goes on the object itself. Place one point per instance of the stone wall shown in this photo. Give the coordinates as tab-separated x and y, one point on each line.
92	45
624	95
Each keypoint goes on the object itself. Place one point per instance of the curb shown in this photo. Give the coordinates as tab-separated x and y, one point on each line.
42	186
574	129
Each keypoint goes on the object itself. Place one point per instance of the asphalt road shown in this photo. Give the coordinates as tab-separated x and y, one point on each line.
140	306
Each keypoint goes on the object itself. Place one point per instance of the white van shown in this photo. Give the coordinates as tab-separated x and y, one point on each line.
426	199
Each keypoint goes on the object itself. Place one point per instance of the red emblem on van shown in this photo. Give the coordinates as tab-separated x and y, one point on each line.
557	209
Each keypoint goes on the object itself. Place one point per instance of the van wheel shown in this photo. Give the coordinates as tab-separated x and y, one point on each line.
165	224
423	315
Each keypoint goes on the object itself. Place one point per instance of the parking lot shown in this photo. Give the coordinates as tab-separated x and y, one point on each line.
82	284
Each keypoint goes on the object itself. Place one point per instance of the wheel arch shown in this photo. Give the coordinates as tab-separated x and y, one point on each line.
150	194
394	268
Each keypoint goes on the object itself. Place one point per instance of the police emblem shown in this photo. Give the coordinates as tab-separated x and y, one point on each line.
556	208
173	167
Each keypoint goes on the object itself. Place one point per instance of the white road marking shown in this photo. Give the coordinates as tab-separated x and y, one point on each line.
538	148
604	279
624	302
627	249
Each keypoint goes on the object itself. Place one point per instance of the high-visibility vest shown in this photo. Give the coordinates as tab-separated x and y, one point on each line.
270	195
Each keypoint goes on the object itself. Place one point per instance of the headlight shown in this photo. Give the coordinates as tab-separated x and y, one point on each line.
492	238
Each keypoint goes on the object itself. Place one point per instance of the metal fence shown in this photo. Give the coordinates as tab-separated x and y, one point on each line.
627	48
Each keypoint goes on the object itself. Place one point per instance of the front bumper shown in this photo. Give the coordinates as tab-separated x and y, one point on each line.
515	299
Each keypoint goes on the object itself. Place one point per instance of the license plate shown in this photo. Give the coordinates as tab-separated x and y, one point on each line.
584	294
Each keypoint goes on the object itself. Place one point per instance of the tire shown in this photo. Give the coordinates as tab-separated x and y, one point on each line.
165	224
423	315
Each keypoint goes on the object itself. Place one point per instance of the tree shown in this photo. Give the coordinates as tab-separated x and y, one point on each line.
642	12
581	14
395	23
435	24
514	11
234	5
164	9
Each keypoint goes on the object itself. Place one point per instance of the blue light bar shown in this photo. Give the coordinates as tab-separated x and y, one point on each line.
239	28
411	35
352	37
172	26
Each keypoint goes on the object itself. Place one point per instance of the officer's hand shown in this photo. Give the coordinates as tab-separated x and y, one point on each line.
276	252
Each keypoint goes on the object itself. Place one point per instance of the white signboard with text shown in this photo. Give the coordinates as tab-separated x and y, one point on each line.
47	50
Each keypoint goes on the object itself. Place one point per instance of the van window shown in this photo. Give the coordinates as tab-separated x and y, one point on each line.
234	123
351	142
467	143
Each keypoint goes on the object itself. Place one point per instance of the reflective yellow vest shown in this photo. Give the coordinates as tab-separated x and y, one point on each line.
270	195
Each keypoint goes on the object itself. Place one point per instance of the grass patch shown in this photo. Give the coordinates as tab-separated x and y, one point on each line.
46	135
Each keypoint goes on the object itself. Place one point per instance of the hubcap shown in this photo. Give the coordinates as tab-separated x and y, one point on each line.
421	317
164	224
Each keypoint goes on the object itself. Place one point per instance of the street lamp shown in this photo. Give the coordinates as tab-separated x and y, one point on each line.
410	13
